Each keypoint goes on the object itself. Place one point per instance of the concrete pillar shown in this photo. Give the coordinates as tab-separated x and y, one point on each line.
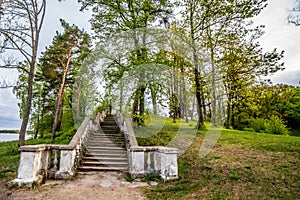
168	163
30	170
66	166
137	163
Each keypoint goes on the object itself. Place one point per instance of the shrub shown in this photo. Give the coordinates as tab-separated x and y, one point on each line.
258	124
249	129
276	126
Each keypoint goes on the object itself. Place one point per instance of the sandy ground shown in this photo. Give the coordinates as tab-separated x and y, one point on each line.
87	186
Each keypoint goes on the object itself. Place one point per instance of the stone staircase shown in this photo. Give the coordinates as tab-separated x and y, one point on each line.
105	149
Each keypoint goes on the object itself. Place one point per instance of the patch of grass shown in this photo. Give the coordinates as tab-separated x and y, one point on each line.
208	167
152	177
242	165
270	142
129	178
234	175
217	156
159	132
248	167
9	157
295	132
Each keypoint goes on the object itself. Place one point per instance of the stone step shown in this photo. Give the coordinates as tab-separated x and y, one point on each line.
89	146
109	121
106	155
109	126
102	168
109	117
104	163
101	159
107	139
109	130
101	142
112	133
107	135
106	151
92	148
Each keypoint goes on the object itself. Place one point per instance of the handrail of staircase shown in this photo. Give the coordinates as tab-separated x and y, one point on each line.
40	162
145	160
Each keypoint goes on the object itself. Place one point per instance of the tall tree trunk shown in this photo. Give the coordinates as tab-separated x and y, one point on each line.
204	107
200	121
60	96
28	104
193	108
121	96
228	120
142	106
58	105
214	96
154	100
135	107
35	26
197	75
78	99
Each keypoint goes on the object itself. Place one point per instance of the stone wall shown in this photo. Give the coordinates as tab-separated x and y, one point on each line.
147	160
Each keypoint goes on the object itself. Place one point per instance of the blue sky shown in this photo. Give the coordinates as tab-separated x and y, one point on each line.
279	34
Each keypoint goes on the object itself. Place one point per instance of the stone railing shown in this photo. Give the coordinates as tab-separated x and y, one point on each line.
150	159
40	162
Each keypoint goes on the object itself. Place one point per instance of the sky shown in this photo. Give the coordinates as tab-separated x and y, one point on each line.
278	34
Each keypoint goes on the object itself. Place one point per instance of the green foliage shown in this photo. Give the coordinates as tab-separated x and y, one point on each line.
129	178
9	131
276	126
64	137
159	132
152	177
258	124
234	175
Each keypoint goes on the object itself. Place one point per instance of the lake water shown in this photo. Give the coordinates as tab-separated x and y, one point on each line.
5	137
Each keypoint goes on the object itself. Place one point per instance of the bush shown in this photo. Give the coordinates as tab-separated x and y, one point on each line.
249	129
258	124
276	126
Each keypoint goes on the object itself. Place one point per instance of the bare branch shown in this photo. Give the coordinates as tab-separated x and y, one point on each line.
4	84
8	66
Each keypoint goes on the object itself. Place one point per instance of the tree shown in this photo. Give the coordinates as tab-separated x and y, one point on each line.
243	62
294	15
20	27
205	17
113	17
67	50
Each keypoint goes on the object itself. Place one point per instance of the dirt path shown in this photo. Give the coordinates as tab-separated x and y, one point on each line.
91	186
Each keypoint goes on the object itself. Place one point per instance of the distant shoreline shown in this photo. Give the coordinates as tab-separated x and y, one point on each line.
9	131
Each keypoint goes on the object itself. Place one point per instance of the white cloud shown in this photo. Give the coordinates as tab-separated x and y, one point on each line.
281	35
9	111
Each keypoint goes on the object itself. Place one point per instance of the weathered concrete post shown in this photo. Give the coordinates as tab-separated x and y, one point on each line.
66	167
168	163
33	165
137	163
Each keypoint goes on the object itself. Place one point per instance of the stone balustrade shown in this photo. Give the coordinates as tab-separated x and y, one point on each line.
150	159
40	162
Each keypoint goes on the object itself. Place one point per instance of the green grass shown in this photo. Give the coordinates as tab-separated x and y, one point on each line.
242	165
9	155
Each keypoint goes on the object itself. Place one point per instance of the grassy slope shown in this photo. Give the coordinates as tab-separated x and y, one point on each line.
242	165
